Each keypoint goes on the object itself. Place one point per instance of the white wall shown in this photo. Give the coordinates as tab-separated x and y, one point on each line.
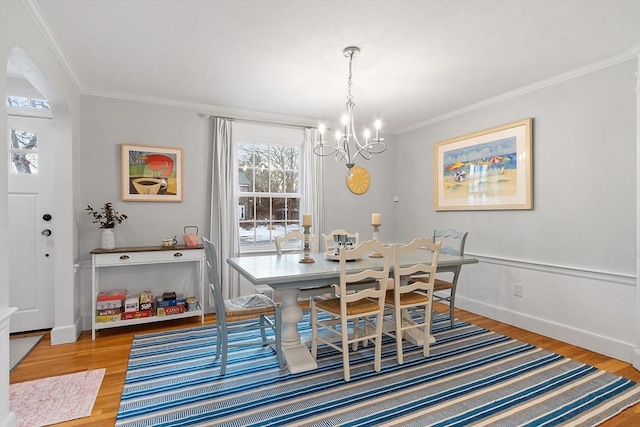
574	253
352	212
107	123
49	78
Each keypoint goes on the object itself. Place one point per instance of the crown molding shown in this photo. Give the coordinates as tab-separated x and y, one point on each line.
630	54
207	109
43	25
268	117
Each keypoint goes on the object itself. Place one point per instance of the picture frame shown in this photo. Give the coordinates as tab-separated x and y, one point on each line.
486	170
151	174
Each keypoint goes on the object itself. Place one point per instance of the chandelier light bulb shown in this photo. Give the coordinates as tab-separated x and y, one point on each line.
338	135
367	134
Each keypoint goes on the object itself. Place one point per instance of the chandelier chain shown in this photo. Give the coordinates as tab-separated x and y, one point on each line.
349	82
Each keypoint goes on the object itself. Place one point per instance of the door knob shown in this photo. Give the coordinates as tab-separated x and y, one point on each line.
46	232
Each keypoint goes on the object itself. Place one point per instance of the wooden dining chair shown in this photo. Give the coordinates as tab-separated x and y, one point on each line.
409	302
293	242
363	305
330	244
255	305
444	290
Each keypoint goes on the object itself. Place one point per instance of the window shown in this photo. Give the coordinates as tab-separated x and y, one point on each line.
269	193
23	145
30	103
23	152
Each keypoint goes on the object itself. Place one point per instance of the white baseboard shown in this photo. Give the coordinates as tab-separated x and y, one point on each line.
636	358
626	352
66	334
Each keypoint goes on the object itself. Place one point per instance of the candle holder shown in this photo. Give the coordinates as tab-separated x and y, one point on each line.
306	259
375	254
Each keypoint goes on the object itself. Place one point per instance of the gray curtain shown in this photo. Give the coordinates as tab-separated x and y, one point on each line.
224	184
312	177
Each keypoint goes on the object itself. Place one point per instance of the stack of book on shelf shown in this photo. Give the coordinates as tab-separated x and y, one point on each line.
170	303
112	306
109	305
139	306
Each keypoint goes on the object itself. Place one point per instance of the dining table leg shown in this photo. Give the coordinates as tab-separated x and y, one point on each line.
296	353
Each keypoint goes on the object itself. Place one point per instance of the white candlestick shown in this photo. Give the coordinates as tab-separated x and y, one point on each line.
306	220
375	219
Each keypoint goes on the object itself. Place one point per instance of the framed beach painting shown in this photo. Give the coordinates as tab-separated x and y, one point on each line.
151	174
489	169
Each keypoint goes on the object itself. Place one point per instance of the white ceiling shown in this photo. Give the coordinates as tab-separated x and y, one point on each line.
283	59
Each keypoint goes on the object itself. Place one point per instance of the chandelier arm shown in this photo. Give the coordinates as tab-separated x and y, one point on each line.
324	150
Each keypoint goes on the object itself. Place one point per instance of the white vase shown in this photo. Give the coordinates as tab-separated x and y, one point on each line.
108	239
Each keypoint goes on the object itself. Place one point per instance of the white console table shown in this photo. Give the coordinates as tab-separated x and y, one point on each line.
120	258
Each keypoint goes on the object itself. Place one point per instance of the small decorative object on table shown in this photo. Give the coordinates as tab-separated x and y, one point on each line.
108	218
375	222
190	239
306	224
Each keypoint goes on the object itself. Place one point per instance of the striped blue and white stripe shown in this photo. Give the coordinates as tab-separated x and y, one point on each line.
472	377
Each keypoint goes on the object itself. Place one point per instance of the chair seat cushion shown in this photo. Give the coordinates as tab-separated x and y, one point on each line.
249	304
440	285
362	306
406	298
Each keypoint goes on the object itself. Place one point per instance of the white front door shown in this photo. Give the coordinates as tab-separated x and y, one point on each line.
31	177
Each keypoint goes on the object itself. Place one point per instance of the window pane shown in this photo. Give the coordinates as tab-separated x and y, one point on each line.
245	206
247	232
261	180
261	156
277	181
40	104
25	163
293	209
279	209
291	159
292	182
263	209
18	101
245	179
23	140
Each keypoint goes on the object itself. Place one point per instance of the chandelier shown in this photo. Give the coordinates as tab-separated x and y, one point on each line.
347	146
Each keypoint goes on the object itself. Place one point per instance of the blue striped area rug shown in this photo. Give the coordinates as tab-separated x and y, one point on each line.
472	377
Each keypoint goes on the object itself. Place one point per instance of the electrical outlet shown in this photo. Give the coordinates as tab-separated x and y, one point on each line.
517	289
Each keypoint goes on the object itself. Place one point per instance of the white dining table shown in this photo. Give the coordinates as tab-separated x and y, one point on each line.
287	275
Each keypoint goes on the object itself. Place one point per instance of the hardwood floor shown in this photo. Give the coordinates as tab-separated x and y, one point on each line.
110	350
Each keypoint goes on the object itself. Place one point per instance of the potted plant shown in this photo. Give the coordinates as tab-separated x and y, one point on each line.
108	218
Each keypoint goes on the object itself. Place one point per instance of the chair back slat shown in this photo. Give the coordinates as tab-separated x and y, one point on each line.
295	235
423	254
378	278
214	280
453	241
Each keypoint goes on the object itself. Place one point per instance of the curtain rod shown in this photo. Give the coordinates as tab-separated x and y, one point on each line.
263	122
